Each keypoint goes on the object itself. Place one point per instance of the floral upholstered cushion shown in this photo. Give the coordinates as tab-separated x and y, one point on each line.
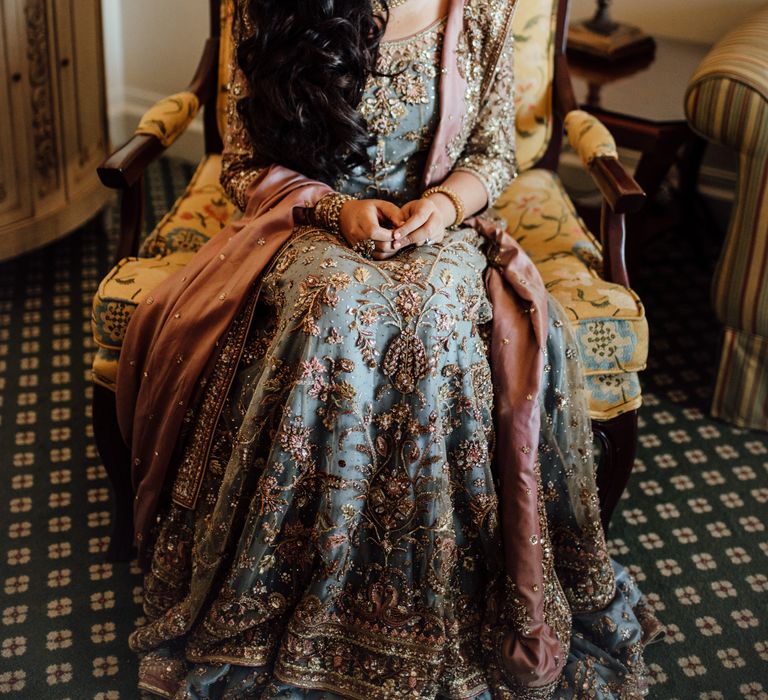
589	137
610	395
542	219
608	319
124	288
168	118
200	213
120	292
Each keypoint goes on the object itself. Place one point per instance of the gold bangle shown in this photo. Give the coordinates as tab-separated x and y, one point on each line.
327	211
458	205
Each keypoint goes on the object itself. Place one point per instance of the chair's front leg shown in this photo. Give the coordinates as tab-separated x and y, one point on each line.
618	439
117	462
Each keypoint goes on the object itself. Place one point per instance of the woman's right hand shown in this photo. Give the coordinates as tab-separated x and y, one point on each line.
365	219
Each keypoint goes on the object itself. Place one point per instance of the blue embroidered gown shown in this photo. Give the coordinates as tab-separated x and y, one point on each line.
345	533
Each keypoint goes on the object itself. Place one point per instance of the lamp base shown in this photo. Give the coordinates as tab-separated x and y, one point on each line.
625	41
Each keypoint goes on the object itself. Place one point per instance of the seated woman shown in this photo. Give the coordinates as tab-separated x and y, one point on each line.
362	455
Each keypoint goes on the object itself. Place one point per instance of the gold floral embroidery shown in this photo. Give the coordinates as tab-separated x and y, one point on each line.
405	361
399	105
316	292
486	144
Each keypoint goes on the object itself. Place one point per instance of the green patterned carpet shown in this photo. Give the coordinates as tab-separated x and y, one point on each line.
692	525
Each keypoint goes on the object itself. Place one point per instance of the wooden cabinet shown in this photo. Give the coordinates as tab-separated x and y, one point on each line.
53	124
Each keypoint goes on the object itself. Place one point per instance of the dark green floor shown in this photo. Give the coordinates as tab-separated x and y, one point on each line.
692	525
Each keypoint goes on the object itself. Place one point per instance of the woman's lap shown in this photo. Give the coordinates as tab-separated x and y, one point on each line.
351	483
361	418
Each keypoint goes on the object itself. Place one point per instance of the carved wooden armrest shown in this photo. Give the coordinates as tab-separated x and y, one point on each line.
596	148
162	124
619	189
124	167
621	193
169	118
588	137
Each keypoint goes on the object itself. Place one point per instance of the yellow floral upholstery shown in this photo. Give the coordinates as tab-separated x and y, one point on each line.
588	137
610	395
120	292
534	29
168	118
608	319
201	212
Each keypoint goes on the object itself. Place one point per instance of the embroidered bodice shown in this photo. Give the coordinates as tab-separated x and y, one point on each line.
400	107
403	111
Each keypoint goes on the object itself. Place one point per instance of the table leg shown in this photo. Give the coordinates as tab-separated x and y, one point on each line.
651	172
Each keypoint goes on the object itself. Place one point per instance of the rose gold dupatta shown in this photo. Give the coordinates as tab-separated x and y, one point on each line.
174	333
176	330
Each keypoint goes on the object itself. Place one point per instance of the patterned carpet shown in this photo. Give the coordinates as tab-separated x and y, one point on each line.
692	524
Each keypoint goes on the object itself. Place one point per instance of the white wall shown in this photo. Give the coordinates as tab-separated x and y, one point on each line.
694	20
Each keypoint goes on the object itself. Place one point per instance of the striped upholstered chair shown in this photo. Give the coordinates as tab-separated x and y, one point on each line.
727	103
585	273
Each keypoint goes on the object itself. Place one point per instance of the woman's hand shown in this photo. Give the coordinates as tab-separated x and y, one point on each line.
425	222
364	219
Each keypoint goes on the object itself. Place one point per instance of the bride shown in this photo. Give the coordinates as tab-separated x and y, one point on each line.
362	458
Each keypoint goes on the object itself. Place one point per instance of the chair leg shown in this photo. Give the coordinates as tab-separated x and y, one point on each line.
618	438
116	457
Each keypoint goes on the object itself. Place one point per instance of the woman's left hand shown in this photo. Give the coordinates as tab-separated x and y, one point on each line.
424	224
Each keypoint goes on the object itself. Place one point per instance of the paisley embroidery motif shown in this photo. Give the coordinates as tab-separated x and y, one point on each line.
405	361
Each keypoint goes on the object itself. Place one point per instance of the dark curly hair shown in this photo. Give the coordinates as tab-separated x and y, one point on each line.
306	63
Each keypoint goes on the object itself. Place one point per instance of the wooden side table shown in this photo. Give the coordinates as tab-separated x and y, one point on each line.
642	103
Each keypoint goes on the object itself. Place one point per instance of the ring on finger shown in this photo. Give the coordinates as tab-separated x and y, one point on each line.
428	241
365	248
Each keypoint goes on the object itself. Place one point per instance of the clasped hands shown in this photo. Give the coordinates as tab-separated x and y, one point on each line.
392	228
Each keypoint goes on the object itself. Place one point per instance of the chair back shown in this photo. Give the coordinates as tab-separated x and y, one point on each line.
538	27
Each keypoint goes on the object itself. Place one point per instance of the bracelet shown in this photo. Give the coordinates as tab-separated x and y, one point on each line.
327	211
458	205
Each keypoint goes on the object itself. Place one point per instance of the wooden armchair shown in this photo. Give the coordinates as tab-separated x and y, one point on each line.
588	276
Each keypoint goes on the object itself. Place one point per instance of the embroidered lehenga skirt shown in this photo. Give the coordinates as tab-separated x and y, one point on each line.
339	535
